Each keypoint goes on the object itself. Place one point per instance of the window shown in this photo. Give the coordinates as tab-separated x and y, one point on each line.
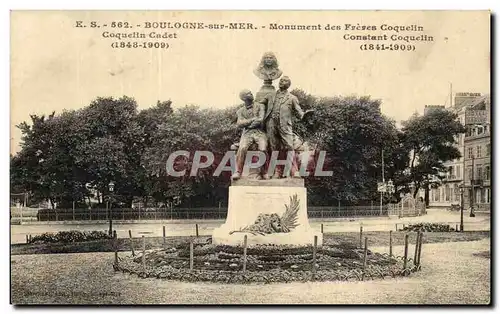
488	195
478	151
469	173
488	149
479	172
480	130
483	196
459	172
451	172
470	152
447	193
487	172
435	195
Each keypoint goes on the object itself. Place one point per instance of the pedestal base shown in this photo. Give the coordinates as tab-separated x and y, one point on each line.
272	214
265	90
222	236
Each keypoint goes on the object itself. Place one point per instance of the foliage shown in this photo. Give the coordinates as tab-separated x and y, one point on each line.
353	132
429	227
74	155
430	140
190	129
70	237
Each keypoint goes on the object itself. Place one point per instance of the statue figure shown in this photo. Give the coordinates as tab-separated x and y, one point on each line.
268	71
299	146
267	121
251	119
281	105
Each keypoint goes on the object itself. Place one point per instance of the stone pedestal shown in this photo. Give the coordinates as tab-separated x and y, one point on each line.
250	199
265	90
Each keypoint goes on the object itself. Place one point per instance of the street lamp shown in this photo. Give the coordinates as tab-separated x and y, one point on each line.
390	191
383	185
472	193
111	187
461	187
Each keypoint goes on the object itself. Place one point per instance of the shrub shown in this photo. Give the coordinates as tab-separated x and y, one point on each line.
70	236
271	258
429	227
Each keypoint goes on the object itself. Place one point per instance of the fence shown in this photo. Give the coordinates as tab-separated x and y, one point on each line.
23	213
205	213
64	214
348	211
407	207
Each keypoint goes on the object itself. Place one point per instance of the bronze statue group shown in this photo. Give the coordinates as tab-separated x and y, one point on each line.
267	123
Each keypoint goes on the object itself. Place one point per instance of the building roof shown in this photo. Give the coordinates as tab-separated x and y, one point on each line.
470	103
476	102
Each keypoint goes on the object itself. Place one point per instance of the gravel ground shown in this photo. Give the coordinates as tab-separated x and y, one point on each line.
451	274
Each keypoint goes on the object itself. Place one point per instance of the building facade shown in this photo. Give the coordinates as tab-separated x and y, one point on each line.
459	170
477	156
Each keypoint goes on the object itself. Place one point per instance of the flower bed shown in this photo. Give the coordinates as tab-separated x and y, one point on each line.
265	264
69	237
429	227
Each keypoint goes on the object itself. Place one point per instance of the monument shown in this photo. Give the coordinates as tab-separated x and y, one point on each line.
270	207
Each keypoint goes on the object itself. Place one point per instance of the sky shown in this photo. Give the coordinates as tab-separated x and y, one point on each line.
57	66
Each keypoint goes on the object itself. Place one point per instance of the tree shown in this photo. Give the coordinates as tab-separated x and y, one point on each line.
110	140
353	132
152	118
111	147
191	129
396	164
430	141
61	154
43	163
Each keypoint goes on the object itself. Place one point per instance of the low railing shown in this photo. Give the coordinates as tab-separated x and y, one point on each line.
130	214
348	211
206	213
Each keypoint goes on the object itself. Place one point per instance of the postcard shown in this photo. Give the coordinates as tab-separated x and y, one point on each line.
250	157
